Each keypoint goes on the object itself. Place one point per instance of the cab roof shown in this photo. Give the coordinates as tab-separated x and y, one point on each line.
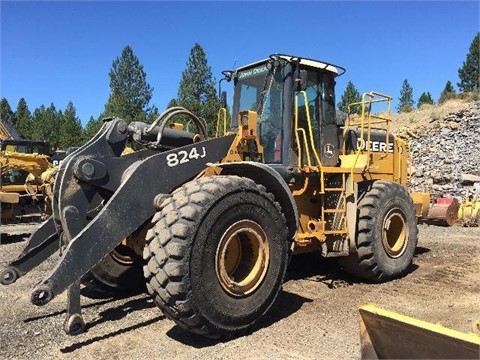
336	69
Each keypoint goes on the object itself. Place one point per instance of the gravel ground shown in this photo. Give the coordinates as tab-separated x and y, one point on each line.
315	316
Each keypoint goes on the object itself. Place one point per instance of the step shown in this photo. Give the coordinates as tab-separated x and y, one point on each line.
330	211
334	189
335	232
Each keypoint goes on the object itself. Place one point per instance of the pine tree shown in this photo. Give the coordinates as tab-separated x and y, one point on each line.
23	119
53	121
425	98
351	95
130	93
153	114
70	129
469	73
196	91
6	112
92	127
46	125
37	120
447	93
405	103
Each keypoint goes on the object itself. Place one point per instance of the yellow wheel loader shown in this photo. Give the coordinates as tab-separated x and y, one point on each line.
26	178
209	225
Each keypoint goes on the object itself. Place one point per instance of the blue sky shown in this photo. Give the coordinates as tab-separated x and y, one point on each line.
62	51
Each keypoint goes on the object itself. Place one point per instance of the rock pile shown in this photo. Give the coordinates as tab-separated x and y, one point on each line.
446	157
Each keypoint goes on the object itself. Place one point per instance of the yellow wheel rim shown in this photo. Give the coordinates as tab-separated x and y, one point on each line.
395	233
122	255
242	258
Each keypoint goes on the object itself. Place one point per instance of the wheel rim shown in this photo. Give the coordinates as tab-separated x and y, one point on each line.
123	255
395	233
242	258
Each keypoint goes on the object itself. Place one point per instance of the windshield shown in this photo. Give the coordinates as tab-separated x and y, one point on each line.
260	89
26	147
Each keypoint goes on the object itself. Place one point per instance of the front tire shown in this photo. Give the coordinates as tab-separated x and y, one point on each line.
386	235
217	255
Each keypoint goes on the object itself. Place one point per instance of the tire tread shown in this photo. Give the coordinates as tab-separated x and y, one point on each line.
364	263
166	252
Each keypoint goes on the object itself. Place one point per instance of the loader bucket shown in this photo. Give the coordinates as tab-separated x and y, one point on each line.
469	212
444	211
389	335
421	200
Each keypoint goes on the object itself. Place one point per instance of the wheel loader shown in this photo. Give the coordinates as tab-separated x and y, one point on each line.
28	172
26	168
210	224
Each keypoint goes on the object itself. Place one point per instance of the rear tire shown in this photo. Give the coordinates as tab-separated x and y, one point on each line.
217	255
386	235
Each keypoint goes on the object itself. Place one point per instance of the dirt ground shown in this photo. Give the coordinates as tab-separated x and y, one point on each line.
314	317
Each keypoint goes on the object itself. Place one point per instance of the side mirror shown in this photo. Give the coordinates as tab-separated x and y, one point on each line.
223	99
228	74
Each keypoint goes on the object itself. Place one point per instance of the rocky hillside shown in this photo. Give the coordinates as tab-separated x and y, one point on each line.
445	148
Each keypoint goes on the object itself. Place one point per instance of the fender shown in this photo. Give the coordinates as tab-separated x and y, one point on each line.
273	182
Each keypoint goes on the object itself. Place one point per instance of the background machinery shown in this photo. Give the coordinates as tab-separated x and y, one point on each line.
8	132
213	222
26	175
469	211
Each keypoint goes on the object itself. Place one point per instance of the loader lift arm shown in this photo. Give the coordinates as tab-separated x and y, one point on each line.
100	198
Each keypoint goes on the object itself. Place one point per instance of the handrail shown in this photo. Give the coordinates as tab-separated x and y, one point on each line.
221	111
307	153
309	122
366	122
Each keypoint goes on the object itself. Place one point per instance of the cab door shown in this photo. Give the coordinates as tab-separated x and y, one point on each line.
329	139
321	108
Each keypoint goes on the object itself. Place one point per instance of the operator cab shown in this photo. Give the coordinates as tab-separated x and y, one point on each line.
17	176
279	87
25	146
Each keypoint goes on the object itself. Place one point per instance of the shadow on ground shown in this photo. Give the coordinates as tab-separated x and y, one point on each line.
313	267
79	345
109	314
310	267
115	314
420	251
285	305
16	238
